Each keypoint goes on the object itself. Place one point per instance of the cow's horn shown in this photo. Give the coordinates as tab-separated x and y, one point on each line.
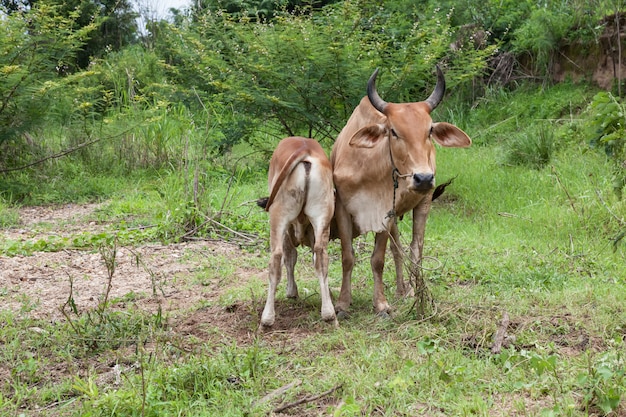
375	99
437	95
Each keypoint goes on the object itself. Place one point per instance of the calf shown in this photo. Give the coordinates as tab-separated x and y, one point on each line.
301	206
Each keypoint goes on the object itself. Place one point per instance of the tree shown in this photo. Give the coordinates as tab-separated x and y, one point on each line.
115	20
257	9
34	45
302	74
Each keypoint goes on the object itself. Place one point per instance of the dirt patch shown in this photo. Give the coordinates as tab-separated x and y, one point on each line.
152	276
184	282
40	284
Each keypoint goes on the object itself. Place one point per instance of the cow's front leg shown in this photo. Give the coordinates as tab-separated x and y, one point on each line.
378	265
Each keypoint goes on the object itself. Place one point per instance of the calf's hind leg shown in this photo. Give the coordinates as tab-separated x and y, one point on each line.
320	256
290	257
278	228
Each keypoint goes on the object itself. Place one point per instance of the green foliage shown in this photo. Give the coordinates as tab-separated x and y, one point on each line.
540	36
33	46
533	147
123	235
607	129
262	10
305	73
605	381
499	17
114	21
8	215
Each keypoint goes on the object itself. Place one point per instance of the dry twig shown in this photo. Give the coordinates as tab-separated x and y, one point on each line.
500	334
308	399
278	392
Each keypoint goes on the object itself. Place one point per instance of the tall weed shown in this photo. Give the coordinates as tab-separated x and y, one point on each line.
532	147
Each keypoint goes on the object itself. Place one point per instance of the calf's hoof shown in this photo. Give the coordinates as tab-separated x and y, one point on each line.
343	315
331	318
266	323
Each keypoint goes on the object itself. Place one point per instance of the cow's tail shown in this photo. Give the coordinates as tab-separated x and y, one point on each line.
262	202
294	159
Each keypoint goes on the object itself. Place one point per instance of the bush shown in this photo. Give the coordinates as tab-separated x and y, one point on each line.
532	148
607	129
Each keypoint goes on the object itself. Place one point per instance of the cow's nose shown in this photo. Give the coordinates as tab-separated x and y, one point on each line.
424	181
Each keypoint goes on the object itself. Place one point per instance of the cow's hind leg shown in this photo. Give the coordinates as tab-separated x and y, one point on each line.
290	257
320	257
278	227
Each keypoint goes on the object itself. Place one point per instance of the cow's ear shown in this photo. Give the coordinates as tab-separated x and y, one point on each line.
449	135
368	136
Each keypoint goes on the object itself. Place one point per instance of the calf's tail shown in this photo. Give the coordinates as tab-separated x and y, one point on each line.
262	202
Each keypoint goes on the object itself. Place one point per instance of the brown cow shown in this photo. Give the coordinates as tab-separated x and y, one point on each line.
301	206
384	166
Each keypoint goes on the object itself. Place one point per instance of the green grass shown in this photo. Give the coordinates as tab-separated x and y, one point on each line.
535	243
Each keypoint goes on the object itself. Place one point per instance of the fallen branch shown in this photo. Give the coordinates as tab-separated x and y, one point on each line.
307	399
56	155
245	236
63	153
278	392
515	216
500	334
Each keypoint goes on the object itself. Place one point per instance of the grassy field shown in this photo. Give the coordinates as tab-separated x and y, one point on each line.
518	244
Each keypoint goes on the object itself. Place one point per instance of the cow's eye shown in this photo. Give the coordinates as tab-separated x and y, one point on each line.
431	131
393	133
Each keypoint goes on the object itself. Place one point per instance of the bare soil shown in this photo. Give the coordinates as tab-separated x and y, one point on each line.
152	276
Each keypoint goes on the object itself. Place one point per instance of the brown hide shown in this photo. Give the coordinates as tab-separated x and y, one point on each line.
384	166
301	206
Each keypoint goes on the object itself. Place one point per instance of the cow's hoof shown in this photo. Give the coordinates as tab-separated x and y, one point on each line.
263	328
266	324
343	315
384	315
334	322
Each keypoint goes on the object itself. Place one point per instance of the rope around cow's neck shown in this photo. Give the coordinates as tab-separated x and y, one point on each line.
395	175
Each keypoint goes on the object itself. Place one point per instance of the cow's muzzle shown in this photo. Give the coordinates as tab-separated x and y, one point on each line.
423	181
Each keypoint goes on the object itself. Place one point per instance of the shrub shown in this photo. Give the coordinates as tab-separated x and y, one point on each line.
533	148
607	129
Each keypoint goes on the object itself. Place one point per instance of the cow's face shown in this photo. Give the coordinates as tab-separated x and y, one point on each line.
411	150
410	132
